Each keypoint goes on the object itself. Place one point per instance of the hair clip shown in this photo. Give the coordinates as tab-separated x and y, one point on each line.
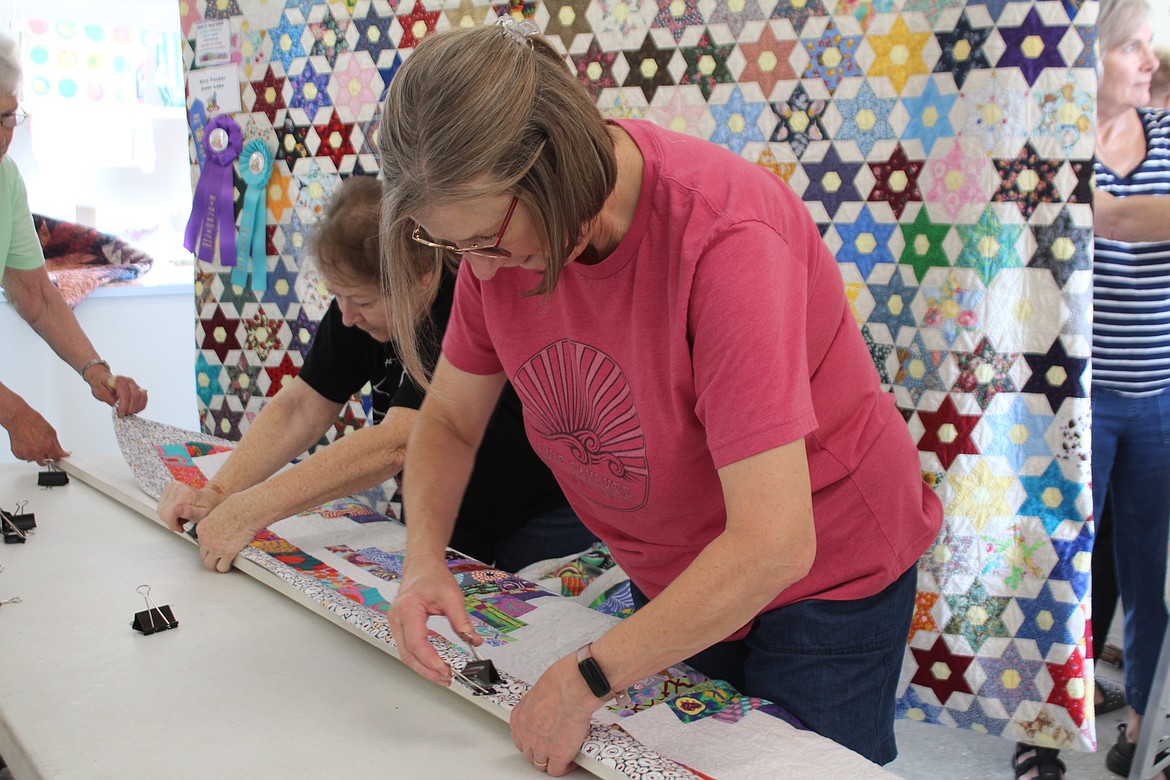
519	31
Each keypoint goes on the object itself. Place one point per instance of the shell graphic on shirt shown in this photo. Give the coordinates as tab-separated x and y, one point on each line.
584	424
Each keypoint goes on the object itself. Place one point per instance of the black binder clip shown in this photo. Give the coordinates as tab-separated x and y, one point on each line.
479	675
52	476
25	521
11	531
154	618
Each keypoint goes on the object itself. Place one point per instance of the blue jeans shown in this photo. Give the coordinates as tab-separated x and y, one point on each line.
555	534
832	664
1131	458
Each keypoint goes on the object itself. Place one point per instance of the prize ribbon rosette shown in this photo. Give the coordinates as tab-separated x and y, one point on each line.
211	212
255	168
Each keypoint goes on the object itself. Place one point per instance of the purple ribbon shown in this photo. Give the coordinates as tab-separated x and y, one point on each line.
211	211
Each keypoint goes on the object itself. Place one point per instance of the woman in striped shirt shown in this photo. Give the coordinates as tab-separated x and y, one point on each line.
1131	341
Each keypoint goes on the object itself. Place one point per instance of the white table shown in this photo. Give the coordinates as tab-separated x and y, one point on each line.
250	684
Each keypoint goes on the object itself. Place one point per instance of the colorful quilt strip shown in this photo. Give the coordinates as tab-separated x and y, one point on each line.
942	146
350	566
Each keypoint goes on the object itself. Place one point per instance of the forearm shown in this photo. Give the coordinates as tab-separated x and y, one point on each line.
43	308
1135	218
723	589
287	426
436	476
768	543
12	406
355	462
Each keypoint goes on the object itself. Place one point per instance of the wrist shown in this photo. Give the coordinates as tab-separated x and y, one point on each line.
88	369
219	490
595	679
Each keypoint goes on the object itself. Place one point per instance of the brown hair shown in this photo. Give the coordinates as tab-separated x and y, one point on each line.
344	242
481	112
1160	81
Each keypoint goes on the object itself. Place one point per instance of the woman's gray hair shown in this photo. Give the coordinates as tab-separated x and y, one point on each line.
484	112
10	74
1117	20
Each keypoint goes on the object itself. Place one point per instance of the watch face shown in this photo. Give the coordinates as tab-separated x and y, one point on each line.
594	677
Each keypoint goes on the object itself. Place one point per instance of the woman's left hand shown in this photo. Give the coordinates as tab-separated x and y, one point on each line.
551	722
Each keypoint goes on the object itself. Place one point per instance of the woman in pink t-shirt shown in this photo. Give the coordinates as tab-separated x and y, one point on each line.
690	371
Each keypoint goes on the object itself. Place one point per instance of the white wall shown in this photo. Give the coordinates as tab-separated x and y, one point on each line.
147	332
1160	21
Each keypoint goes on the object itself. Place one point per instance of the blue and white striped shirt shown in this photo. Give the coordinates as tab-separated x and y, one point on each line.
1131	281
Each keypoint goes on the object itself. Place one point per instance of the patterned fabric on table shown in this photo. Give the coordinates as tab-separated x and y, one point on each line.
679	724
944	147
80	259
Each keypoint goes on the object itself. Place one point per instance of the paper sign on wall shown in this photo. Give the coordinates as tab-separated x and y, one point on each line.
217	87
213	40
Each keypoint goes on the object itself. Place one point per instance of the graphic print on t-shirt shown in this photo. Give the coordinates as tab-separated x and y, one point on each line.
381	393
583	423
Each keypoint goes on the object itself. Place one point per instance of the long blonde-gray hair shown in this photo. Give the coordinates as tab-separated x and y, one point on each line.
475	113
1117	20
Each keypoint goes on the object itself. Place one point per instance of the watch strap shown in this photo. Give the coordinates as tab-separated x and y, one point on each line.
595	678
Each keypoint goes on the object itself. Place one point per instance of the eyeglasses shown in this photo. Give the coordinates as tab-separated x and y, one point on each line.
11	120
491	250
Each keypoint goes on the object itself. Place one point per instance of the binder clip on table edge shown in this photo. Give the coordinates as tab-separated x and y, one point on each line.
480	674
52	476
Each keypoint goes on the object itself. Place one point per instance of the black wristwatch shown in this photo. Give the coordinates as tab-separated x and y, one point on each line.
596	680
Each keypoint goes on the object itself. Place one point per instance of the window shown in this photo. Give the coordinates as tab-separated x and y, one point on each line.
106	142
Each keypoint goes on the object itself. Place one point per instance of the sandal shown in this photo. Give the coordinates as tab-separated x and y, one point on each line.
1114	696
1120	758
1045	759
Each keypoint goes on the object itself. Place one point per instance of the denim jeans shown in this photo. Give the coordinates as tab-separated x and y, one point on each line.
832	664
1131	458
555	534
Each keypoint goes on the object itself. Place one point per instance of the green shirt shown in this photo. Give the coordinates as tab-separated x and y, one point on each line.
19	245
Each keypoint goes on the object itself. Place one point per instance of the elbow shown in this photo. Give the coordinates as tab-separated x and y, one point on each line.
787	555
803	551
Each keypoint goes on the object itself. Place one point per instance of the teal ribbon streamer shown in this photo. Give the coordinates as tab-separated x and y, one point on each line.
255	169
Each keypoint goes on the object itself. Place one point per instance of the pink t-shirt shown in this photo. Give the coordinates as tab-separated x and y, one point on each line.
718	329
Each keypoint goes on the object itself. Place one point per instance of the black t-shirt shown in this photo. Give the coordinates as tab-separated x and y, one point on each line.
509	485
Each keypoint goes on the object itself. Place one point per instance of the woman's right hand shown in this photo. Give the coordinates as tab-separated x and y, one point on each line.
181	504
33	438
426	590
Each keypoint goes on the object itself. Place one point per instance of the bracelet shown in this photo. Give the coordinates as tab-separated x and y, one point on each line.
91	364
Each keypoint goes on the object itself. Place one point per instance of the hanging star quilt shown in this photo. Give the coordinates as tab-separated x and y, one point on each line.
944	149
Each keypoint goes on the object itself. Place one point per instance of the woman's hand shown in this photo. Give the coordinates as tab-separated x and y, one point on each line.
226	530
181	504
120	392
32	438
428	589
551	722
